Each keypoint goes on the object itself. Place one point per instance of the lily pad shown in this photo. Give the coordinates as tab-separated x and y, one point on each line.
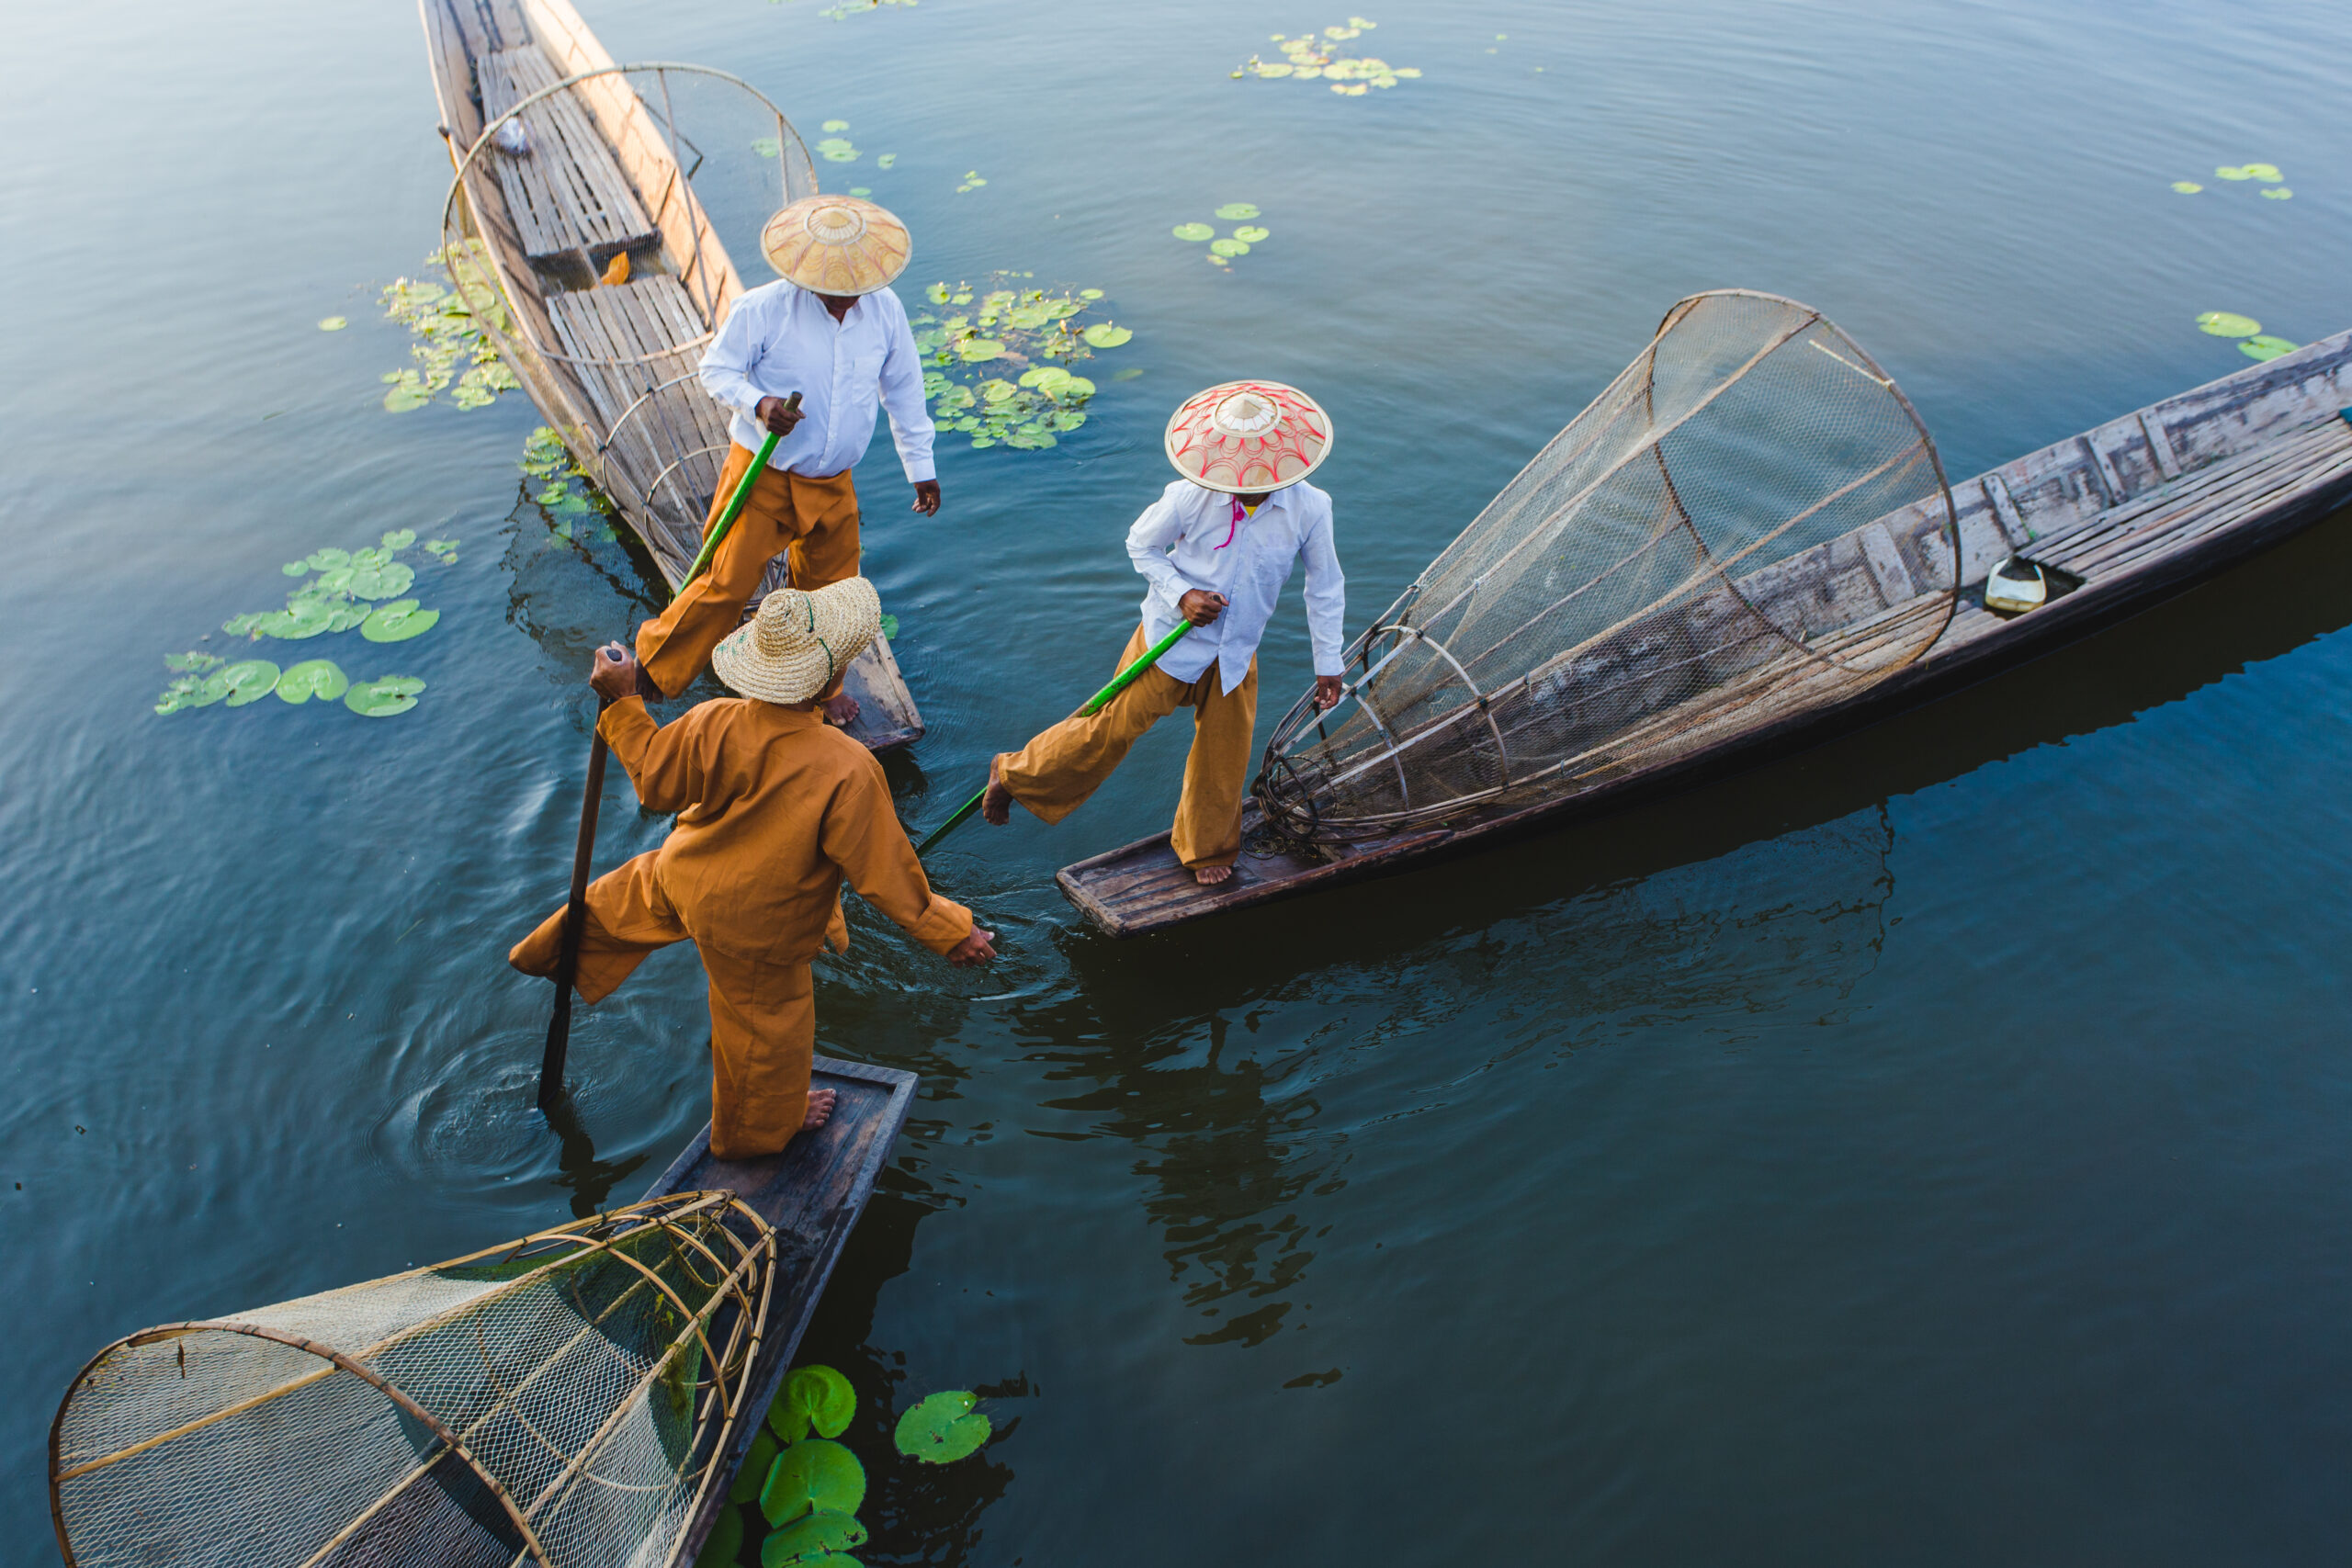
334	323
813	1397
2279	193
2267	347
193	661
2186	187
834	125
2227	324
812	1476
809	1541
1249	235
978	350
1270	68
943	1427
321	678
382	699
1194	231
246	683
404	397
397	622
725	1542
399	538
885	160
2233	172
889	625
2266	173
328	559
755	1473
1235	212
382	582
1102	334
768	146
302	618
1230	247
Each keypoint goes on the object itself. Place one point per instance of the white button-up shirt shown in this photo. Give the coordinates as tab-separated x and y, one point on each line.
779	339
1188	540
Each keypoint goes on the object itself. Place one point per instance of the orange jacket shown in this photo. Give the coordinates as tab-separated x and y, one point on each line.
774	808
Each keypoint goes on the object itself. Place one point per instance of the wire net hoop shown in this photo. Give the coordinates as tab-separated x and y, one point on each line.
1750	520
562	1401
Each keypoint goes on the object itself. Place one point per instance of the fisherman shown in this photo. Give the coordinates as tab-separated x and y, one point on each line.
1216	547
832	331
775	810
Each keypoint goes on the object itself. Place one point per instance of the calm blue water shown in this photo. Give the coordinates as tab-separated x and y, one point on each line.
1930	1150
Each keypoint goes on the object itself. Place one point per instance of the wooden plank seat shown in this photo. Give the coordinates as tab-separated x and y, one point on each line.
568	195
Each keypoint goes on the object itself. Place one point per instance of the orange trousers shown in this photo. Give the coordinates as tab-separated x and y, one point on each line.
763	1013
1055	774
814	521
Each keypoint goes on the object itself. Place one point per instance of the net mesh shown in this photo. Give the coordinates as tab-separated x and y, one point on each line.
560	1401
1749	521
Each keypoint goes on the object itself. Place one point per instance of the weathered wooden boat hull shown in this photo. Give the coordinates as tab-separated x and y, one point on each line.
2137	509
607	416
812	1193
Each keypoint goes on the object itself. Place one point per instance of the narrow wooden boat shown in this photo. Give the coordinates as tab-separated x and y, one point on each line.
591	170
812	1193
2120	517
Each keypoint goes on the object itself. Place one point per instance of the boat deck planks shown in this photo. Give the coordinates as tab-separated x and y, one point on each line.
812	1193
2138	508
602	179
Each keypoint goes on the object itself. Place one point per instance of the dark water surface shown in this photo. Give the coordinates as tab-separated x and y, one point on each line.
1930	1150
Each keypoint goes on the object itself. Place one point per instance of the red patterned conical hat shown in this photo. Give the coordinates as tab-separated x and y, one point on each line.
836	244
1246	437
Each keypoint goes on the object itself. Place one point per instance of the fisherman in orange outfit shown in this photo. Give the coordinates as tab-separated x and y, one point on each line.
832	332
776	808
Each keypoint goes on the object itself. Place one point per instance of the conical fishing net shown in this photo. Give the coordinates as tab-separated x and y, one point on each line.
560	1400
1750	521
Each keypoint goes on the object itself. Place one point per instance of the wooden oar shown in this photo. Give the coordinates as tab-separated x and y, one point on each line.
1119	683
575	911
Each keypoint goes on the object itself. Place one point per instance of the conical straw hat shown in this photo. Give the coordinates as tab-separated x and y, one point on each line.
836	244
1246	437
798	642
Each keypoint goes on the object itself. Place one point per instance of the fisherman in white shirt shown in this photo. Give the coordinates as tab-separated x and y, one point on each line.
833	333
1216	548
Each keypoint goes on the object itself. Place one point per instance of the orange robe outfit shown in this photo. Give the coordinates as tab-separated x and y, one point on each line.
775	809
811	522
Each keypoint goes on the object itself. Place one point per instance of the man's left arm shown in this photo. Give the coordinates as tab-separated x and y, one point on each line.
1326	607
911	426
861	835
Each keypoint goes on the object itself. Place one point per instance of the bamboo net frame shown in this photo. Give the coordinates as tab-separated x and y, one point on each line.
562	1401
1739	527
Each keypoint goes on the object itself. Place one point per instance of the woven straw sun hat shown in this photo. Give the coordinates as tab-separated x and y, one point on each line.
798	642
1245	436
836	244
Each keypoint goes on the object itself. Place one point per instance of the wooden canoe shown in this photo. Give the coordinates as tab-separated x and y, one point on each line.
812	1193
611	366
2123	516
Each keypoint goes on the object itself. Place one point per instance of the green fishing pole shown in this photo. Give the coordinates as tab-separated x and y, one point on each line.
1119	683
735	505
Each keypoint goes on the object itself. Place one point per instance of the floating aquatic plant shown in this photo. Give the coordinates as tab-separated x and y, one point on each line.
397	622
834	148
2261	174
445	328
2227	324
576	510
2186	187
885	160
972	181
334	323
812	1476
768	146
813	1398
889	624
941	1429
1320	58
998	359
808	1543
321	678
1247	233
2279	194
383	698
2262	345
859	8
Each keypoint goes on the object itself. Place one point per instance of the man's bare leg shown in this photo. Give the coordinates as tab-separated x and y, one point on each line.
1210	875
820	1110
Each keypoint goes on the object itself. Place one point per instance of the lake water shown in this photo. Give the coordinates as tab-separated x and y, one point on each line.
1928	1150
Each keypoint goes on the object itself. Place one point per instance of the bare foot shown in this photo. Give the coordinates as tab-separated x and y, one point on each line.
820	1110
996	805
1210	875
840	708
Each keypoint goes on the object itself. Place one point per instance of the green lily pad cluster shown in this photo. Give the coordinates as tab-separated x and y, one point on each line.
2274	184
997	359
836	148
2252	342
447	328
577	513
808	1487
1313	57
205	679
972	181
1248	233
